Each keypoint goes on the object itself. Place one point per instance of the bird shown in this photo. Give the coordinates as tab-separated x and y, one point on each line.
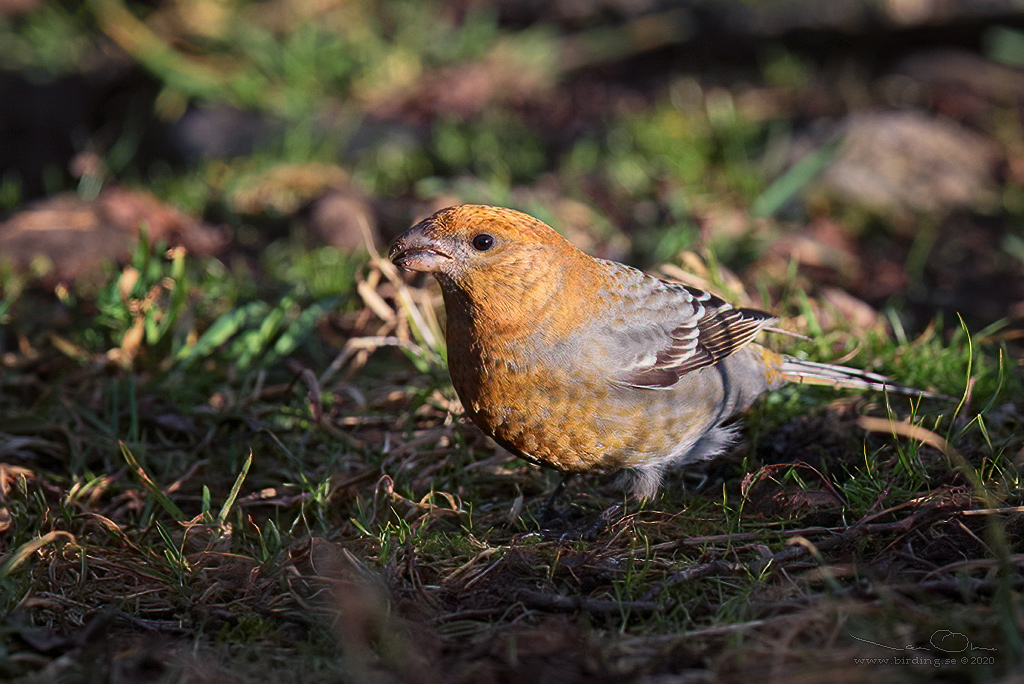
588	365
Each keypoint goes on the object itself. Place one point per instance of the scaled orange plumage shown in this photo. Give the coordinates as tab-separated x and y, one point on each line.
584	364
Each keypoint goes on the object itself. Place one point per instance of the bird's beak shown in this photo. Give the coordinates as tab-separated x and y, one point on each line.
417	250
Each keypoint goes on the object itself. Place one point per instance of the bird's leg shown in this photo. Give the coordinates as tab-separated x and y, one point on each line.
548	511
559	524
590	532
587	529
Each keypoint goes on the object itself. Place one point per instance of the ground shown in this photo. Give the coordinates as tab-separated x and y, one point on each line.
229	448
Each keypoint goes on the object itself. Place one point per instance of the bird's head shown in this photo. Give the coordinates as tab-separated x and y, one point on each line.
500	270
480	249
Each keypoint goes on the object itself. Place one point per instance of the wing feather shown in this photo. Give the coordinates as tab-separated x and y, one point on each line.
713	331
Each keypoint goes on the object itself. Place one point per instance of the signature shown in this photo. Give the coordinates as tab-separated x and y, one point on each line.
941	640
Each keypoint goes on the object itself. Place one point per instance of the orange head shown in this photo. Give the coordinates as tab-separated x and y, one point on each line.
468	240
497	260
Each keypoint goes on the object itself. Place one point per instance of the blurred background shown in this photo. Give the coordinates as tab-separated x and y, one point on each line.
229	448
869	151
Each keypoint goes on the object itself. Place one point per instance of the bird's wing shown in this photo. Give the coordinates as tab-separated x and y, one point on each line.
679	329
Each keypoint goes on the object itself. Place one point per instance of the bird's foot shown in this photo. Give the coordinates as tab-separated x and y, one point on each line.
558	525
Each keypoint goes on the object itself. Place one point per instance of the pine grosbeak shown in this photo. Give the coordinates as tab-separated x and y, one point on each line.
583	364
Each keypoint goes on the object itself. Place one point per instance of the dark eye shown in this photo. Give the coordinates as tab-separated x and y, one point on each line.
482	242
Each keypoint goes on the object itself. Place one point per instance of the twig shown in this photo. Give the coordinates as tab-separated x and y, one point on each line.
471	614
799	546
538	599
742	537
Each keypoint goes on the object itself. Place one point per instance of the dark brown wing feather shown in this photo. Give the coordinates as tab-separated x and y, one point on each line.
700	343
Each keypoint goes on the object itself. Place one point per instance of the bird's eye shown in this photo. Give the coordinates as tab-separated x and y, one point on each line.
482	242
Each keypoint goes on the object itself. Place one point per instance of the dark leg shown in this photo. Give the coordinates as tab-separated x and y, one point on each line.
567	525
548	510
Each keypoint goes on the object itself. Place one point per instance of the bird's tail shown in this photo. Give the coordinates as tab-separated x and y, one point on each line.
810	373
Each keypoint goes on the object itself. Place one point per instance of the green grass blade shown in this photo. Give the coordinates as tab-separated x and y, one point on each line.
230	501
794	179
222	330
148	483
25	551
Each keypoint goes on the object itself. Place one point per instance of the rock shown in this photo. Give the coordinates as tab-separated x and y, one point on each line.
904	163
65	238
345	220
